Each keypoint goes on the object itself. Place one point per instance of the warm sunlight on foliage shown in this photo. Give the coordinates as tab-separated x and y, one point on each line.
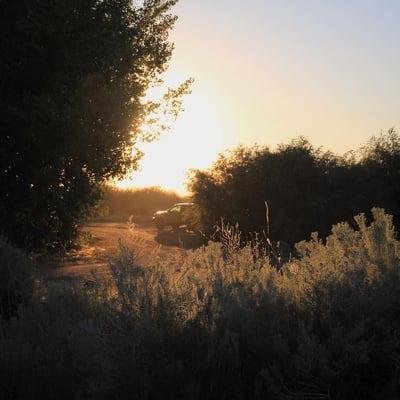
121	204
220	323
190	207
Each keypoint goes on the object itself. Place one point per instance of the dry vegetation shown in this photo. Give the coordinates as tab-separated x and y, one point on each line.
220	323
119	204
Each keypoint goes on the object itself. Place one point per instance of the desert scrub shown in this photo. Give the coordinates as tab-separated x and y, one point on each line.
347	293
220	324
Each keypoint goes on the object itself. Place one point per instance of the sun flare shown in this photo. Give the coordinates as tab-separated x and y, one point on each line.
194	140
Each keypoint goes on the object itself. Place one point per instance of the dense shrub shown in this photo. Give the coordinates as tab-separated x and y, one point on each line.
220	324
307	189
381	157
16	279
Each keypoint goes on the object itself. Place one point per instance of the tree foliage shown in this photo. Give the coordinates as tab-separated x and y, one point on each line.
73	76
307	189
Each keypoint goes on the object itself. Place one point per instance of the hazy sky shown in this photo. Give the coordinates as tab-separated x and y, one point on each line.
270	70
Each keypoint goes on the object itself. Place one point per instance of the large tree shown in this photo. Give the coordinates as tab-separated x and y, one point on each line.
73	80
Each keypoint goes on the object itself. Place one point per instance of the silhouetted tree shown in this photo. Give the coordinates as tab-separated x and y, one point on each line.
381	158
73	75
307	189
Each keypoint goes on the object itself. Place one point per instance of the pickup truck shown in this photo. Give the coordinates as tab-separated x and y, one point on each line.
178	215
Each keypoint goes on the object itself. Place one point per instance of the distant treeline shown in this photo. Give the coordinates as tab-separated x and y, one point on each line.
141	202
307	189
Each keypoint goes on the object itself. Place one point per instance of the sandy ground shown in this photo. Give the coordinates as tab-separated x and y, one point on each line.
103	242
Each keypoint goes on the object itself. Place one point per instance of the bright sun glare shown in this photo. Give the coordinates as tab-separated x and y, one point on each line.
193	141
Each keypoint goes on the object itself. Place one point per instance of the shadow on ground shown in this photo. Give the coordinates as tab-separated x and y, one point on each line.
182	238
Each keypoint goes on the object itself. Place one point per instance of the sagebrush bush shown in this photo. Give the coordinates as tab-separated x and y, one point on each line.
221	323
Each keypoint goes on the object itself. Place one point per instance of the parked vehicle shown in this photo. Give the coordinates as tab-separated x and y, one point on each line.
180	214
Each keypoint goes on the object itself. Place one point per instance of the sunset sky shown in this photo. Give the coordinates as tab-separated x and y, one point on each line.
267	71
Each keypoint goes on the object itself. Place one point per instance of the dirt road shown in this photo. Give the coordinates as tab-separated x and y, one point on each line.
102	241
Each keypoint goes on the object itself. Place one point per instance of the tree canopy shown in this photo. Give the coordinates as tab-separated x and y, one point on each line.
73	80
307	189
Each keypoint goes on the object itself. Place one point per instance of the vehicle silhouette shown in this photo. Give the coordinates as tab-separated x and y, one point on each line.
180	214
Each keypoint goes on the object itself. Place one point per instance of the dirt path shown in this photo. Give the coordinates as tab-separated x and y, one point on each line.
103	242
